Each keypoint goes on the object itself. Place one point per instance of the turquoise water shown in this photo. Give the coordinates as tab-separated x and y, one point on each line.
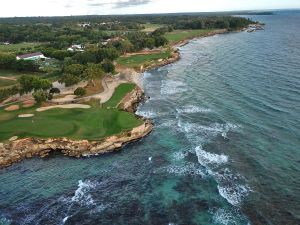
225	148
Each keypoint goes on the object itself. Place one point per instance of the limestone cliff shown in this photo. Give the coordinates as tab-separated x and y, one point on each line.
18	150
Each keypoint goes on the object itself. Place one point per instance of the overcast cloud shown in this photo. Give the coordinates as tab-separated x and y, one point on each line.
87	7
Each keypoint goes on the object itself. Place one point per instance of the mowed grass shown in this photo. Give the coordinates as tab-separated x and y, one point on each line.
150	27
180	35
136	61
119	94
4	83
18	47
91	124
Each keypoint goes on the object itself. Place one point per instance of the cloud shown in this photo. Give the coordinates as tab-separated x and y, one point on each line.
129	3
118	3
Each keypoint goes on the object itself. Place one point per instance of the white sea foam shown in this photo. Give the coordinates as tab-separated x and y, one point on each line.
230	186
206	132
82	195
186	169
146	113
225	217
233	194
65	219
170	123
209	159
193	109
170	87
179	155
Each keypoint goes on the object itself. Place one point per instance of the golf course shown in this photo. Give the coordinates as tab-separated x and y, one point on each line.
92	123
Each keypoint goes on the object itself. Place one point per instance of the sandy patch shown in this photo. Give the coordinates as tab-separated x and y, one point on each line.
28	103
12	108
25	115
67	106
66	98
13	138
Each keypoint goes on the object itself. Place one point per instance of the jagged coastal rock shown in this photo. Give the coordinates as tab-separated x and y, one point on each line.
17	150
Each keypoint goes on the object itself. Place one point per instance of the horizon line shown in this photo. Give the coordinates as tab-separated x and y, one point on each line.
168	13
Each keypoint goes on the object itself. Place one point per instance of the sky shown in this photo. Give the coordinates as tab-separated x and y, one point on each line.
11	8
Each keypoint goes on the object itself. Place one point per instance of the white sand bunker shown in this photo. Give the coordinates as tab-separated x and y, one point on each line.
67	106
25	115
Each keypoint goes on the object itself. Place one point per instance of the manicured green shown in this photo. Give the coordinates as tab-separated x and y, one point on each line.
180	35
119	94
136	61
17	47
91	124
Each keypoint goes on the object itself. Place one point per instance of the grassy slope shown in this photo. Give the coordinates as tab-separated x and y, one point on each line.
119	93
12	74
139	60
150	27
17	47
180	35
92	124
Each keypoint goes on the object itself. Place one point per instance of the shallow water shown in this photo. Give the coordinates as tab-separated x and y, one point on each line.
224	150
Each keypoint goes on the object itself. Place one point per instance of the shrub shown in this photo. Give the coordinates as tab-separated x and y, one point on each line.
40	96
80	92
54	91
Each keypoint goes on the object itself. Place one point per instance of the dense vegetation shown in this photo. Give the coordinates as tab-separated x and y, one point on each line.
99	42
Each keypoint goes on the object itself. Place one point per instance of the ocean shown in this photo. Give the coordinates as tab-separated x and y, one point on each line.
225	148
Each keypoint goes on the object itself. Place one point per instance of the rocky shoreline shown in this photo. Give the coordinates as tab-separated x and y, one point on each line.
20	149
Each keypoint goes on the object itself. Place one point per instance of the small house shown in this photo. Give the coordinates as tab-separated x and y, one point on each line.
76	48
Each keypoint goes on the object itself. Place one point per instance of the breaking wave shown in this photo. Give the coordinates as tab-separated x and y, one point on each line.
209	159
82	195
170	87
229	217
193	109
186	169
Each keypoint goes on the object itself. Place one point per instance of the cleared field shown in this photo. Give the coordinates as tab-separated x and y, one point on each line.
118	95
17	47
150	27
91	124
136	61
10	74
180	35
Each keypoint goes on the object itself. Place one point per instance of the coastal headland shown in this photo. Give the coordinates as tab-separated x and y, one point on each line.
95	120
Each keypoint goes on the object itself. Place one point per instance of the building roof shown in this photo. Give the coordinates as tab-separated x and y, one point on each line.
30	55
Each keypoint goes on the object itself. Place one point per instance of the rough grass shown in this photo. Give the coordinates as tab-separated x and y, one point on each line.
17	47
180	35
150	27
6	83
91	124
119	94
136	61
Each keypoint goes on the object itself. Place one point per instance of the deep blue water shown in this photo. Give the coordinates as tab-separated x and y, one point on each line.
225	148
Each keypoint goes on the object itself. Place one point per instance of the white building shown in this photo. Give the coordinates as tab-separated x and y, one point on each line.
31	56
76	48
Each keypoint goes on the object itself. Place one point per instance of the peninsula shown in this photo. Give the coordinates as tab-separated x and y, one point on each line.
72	84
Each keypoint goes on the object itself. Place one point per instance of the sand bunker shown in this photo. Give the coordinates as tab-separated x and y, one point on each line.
12	108
25	115
67	106
13	138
